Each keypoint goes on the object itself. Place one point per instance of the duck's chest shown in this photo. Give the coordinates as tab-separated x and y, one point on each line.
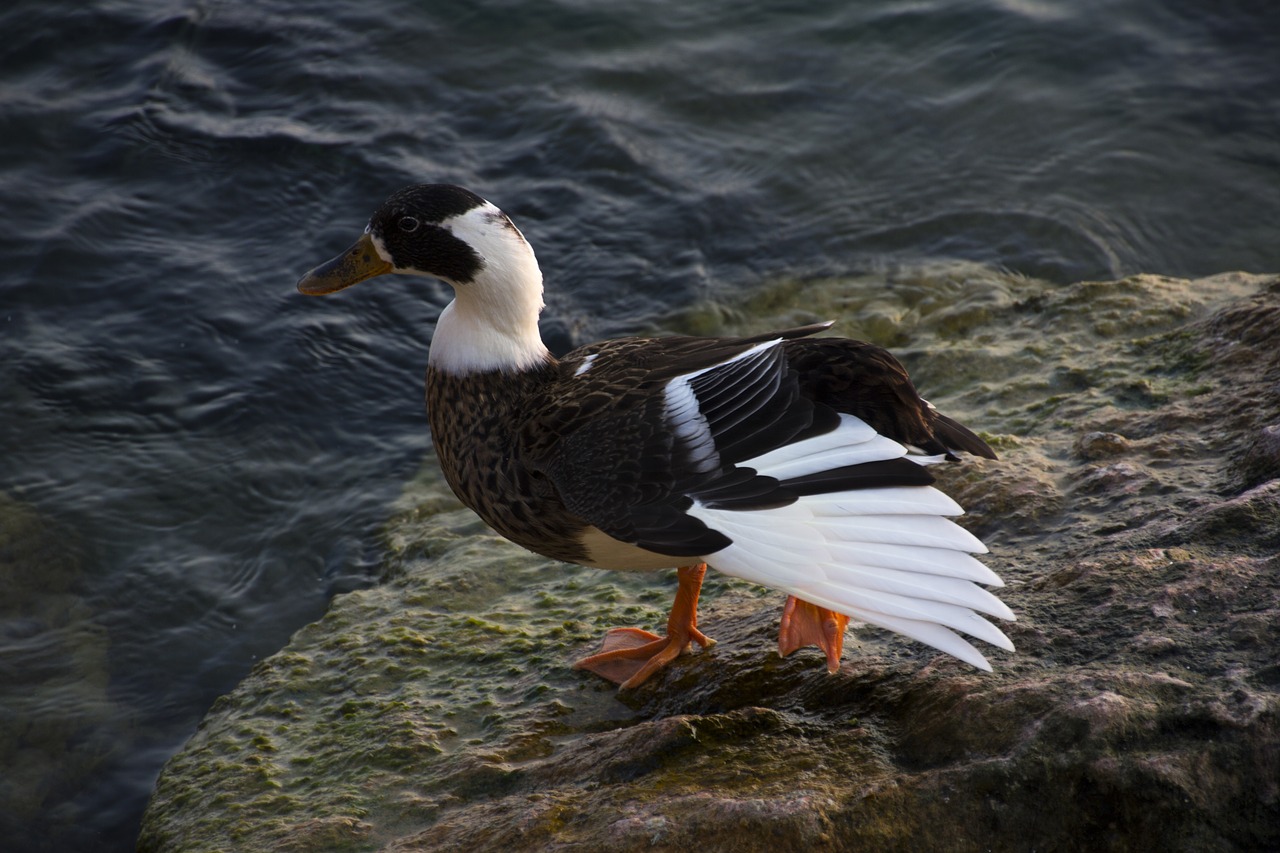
475	422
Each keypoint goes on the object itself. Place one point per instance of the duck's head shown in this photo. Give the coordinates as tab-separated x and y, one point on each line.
436	230
452	234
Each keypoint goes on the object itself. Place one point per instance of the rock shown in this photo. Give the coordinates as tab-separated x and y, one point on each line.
1133	515
1260	461
1101	445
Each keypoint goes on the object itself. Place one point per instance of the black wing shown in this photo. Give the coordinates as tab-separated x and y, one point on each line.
637	430
866	381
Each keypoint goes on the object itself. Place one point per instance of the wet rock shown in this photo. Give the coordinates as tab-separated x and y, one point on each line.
1141	710
334	833
1119	478
1260	461
1101	445
1253	516
1155	645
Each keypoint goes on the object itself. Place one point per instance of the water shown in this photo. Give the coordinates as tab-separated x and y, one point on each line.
197	458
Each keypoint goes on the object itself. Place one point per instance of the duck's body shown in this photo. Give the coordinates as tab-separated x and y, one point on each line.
788	460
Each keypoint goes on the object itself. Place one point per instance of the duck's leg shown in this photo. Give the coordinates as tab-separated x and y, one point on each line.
805	624
631	655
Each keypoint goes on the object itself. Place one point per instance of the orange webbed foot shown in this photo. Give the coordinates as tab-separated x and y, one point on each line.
805	624
630	655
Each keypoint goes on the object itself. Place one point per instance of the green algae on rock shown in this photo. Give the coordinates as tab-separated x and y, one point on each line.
1134	514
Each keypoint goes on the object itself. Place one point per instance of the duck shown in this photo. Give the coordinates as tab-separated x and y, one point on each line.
792	459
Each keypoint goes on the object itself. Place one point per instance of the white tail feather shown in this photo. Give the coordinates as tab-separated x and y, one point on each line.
886	556
922	459
874	450
940	561
823	452
931	530
925	587
930	634
906	500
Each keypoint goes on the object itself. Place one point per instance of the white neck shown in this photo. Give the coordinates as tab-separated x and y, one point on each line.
492	323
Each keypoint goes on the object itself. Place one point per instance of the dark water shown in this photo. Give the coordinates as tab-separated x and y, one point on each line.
207	456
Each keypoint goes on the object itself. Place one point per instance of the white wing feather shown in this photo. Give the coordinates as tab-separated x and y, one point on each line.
887	556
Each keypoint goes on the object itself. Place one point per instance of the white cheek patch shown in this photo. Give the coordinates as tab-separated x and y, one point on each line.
381	248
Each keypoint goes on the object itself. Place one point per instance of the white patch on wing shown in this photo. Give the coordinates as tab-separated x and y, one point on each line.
685	418
586	364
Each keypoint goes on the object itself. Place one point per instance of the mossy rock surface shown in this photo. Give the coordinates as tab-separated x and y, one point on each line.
1134	513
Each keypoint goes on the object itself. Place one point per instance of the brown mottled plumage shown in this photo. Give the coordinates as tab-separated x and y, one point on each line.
482	462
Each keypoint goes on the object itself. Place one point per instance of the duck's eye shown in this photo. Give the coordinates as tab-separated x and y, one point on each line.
408	223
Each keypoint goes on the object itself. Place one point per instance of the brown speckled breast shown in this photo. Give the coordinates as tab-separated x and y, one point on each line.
472	421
